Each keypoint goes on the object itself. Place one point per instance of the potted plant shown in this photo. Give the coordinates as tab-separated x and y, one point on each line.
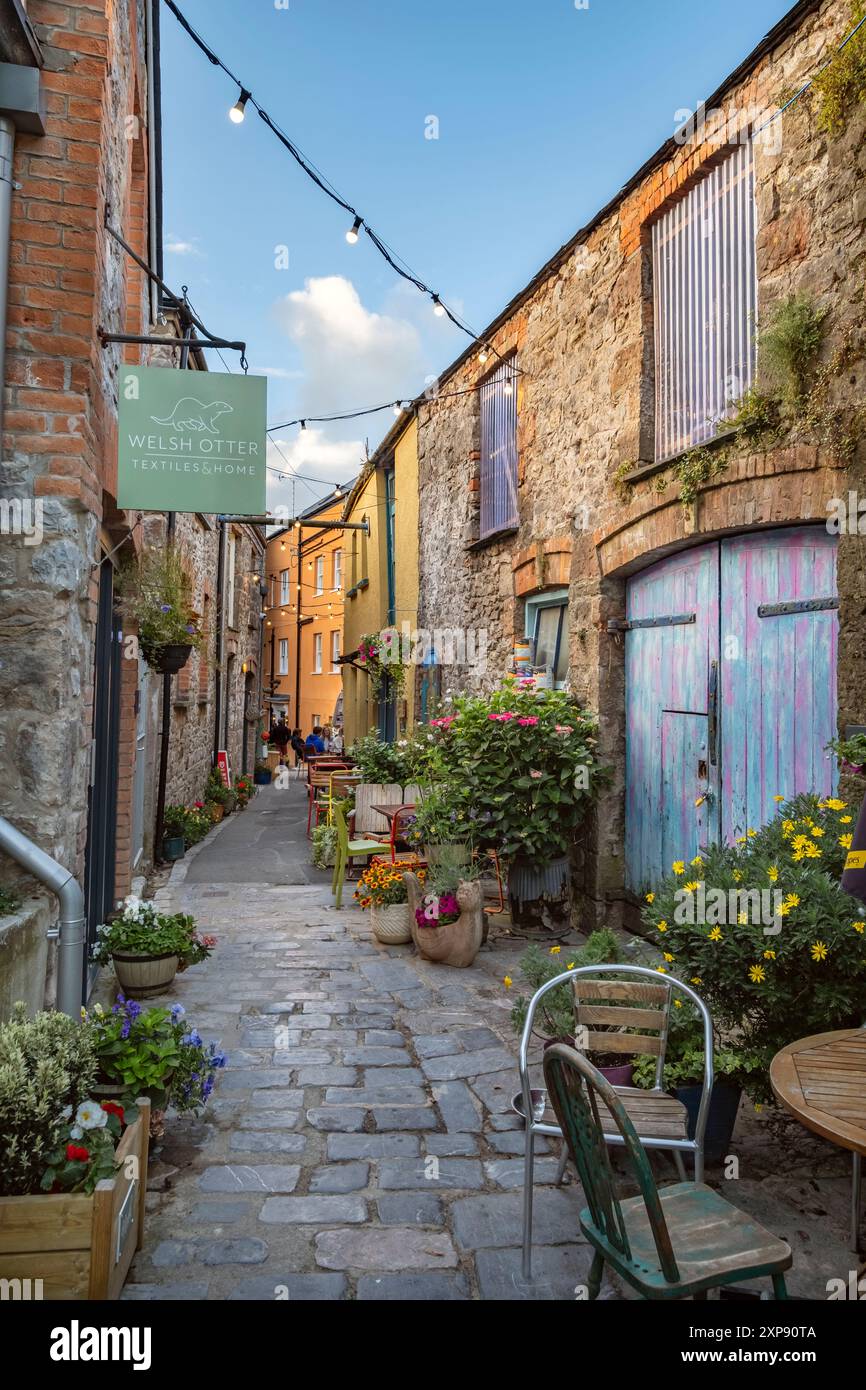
765	933
216	790
243	792
324	846
555	1018
73	1170
683	1077
153	1052
262	774
524	760
173	837
215	810
447	917
156	594
148	947
382	888
380	656
851	753
442	825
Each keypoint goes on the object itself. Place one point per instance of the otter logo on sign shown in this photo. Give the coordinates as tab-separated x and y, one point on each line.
192	414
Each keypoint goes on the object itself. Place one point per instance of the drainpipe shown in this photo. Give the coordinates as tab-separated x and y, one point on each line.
7	154
70	932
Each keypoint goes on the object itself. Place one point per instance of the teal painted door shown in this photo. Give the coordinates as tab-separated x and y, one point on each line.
730	691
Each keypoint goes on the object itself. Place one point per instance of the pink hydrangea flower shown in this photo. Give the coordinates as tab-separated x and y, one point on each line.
535	774
564	729
528	720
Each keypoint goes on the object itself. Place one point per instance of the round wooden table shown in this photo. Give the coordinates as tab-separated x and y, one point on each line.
822	1081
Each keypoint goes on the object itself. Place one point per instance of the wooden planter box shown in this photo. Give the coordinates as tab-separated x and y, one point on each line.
80	1247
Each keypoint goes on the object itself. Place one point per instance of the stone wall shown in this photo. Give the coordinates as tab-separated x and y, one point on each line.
583	344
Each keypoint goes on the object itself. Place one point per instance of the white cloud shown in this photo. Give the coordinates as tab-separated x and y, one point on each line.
352	357
313	455
178	247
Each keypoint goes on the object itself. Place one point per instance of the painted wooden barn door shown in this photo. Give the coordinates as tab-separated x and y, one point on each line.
730	690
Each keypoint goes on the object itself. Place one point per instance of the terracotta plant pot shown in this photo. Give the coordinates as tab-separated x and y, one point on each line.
139	975
216	812
457	943
391	924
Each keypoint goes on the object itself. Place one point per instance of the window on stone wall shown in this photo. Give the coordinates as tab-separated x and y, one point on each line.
705	299
498	468
547	628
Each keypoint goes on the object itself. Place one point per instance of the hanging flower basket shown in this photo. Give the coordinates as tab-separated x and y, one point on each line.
168	660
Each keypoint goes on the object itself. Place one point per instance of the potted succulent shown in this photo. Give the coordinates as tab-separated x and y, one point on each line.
148	947
156	594
524	761
447	917
383	889
262	774
765	933
73	1169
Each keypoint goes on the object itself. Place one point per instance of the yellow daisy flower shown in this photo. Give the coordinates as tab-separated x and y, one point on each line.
690	887
772	873
678	1003
751	833
668	957
678	866
570	965
508	982
650	897
757	974
738	877
661	970
555	950
777	797
819	950
662	926
793	899
783	909
817	831
696	980
696	861
834	804
845	820
716	934
845	841
858	926
743	918
769	955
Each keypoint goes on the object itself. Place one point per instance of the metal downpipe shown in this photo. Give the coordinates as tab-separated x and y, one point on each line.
71	932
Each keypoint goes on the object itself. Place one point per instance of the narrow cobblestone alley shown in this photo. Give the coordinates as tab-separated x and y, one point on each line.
352	1066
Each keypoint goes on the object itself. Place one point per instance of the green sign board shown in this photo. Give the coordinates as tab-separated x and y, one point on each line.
191	441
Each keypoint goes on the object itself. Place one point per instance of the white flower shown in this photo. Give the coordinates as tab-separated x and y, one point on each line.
89	1115
66	1112
76	1132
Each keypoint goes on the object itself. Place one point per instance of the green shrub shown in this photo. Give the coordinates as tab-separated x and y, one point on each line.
840	87
788	345
555	1016
9	902
47	1066
800	970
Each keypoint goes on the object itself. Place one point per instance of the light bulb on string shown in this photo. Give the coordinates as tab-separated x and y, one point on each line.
303	424
438	306
484	354
398	408
238	111
352	233
508	388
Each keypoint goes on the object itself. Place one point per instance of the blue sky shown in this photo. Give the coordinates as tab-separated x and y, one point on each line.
544	110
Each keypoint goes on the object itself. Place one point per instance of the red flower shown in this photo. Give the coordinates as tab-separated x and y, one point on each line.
112	1108
76	1154
198	805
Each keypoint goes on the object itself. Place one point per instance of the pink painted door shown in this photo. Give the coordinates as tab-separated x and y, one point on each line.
730	690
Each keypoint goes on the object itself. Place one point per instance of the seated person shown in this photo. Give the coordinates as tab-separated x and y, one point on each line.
315	742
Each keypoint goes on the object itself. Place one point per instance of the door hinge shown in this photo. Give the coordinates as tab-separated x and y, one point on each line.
669	620
800	605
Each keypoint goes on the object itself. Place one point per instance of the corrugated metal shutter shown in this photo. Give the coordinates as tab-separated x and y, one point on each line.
705	292
499	450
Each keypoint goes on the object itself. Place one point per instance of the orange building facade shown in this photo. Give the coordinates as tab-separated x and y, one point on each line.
305	587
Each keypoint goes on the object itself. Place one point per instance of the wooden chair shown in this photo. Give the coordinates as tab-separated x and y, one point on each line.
319	790
368	822
677	1242
642	1002
347	850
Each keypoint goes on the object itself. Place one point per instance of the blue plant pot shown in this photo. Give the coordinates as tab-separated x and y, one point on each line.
721	1117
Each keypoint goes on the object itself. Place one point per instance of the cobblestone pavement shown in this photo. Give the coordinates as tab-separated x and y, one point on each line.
360	1143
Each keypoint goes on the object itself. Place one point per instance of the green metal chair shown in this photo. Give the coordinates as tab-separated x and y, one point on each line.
346	851
675	1242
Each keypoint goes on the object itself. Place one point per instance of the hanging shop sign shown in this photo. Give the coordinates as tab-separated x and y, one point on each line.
192	441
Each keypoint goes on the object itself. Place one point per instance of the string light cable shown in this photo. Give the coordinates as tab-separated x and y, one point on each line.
359	222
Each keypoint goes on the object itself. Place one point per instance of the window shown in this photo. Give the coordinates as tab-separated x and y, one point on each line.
705	297
320	574
547	626
317	653
284	586
498	472
316	721
284	656
335	651
338	569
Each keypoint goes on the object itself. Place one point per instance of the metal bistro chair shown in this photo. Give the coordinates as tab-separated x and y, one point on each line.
676	1242
642	1004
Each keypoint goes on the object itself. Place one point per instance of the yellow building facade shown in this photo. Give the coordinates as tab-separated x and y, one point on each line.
382	578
